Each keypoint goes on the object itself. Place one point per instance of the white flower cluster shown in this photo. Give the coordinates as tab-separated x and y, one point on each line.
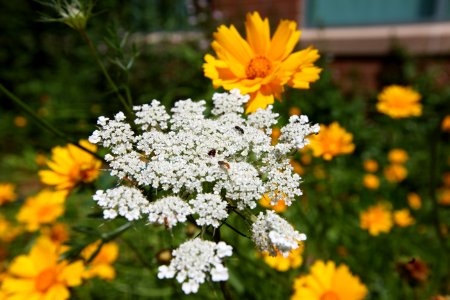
271	232
194	260
203	168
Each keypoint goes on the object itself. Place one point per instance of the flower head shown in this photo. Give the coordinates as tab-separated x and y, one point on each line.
195	261
395	173
101	265
397	156
279	207
399	102
371	181
260	65
370	165
7	193
41	274
73	13
328	282
445	125
376	219
44	208
414	200
403	218
70	166
331	141
8	232
283	264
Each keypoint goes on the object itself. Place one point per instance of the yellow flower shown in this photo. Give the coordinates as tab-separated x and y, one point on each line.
370	165
395	173
70	166
276	132
260	65
332	140
399	102
41	275
414	200
279	207
445	125
376	219
44	208
7	193
294	111
100	266
444	196
328	282
398	156
403	218
283	264
371	181
8	232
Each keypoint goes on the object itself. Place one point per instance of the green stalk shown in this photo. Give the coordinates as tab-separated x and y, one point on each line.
105	72
42	122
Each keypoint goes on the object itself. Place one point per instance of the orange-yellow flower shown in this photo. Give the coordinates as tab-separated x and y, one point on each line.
332	140
294	110
399	102
41	275
371	181
376	219
58	233
297	167
370	165
276	132
328	282
397	156
445	125
403	218
414	200
283	264
7	193
70	166
395	173
101	265
260	65
279	207
444	196
44	208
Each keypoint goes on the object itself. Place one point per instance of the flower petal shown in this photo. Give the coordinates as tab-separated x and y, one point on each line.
258	33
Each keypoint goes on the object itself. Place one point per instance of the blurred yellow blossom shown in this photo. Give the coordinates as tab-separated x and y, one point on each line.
403	218
397	156
283	264
297	167
399	102
41	275
275	135
414	200
8	231
445	125
332	140
260	65
294	110
279	207
70	166
305	158
446	179
444	196
44	208
371	181
395	173
328	282
376	219
101	265
7	193
370	165
20	121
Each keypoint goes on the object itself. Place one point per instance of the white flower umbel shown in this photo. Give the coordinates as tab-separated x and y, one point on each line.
125	201
210	208
152	115
195	261
168	211
271	232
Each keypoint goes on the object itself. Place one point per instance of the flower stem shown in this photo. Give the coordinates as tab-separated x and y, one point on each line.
42	122
106	74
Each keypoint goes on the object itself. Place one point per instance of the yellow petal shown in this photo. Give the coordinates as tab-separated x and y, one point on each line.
284	40
258	33
232	43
